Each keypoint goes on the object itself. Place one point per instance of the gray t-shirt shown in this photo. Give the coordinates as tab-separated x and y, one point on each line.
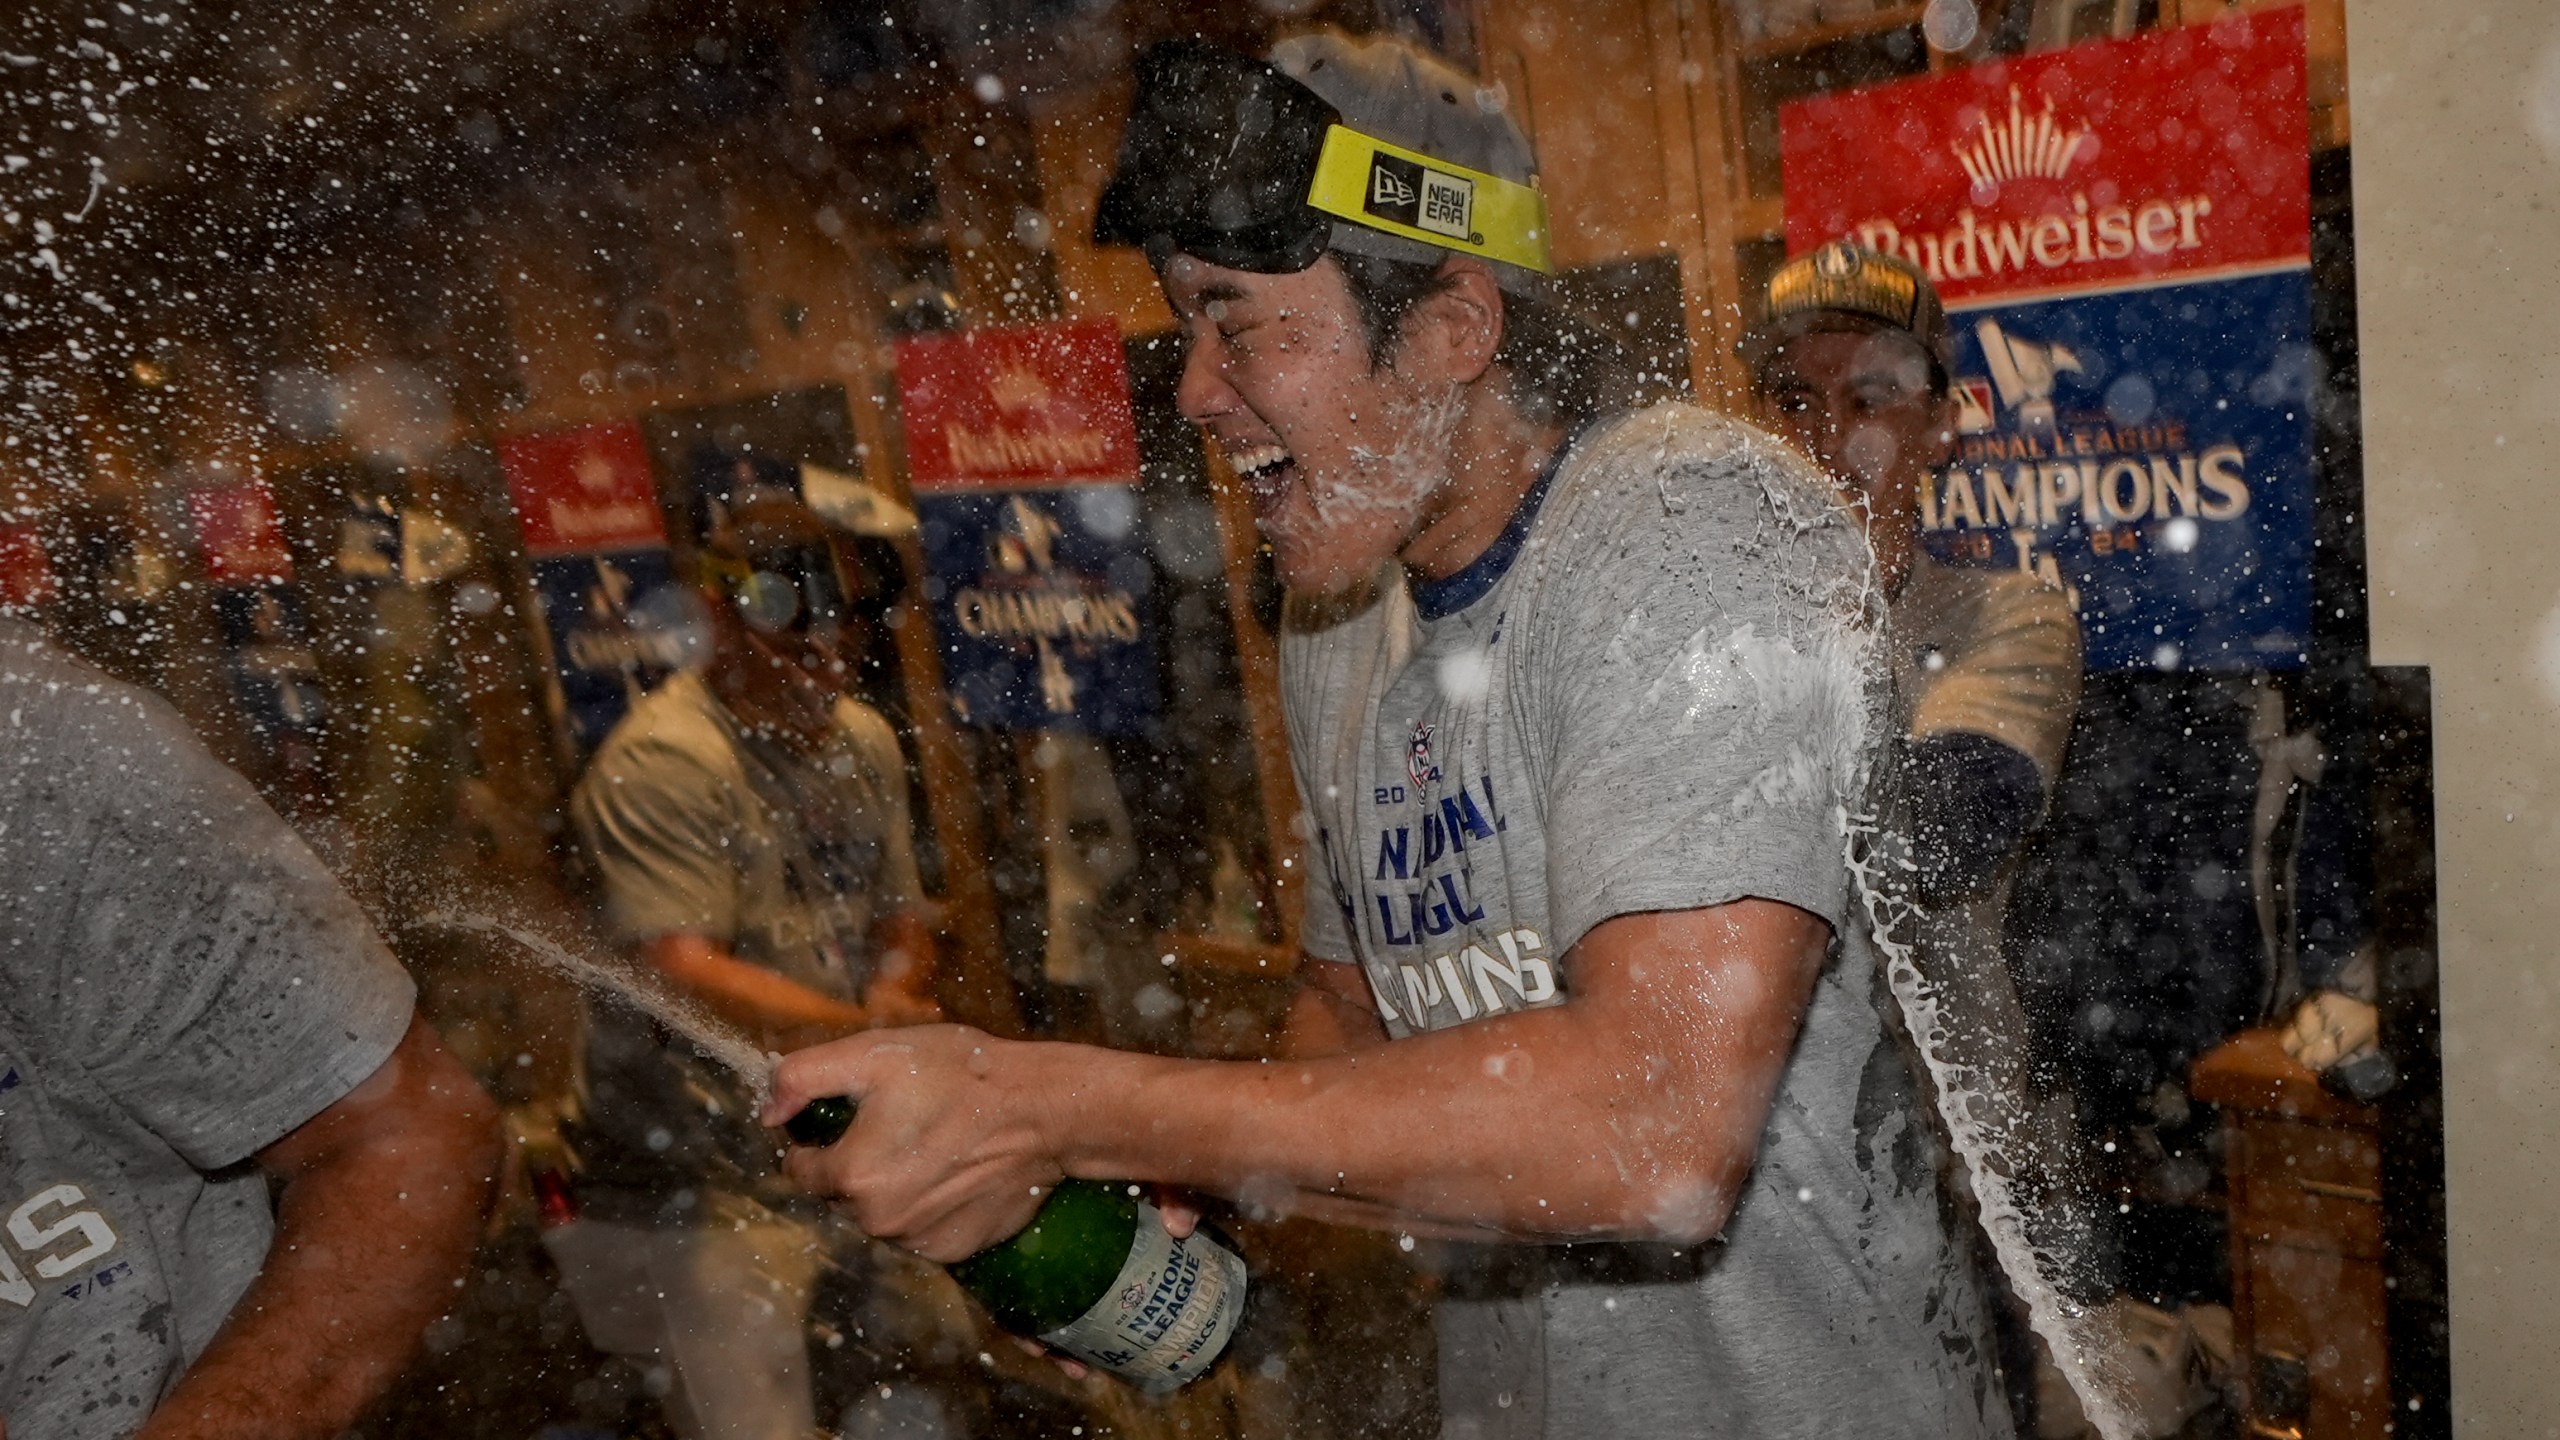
784	859
1656	692
181	985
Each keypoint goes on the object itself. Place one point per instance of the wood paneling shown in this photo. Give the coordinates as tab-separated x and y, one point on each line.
1078	135
1629	144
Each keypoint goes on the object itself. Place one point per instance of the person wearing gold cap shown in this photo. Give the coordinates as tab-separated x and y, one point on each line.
1578	695
1849	360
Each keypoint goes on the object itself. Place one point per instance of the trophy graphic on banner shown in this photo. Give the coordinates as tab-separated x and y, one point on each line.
2025	372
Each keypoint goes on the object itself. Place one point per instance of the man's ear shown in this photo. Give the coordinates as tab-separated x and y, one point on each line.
1452	334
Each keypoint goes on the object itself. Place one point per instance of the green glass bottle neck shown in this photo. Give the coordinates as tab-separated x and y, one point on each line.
820	1123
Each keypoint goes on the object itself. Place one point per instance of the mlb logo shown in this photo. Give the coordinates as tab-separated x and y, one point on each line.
1419	767
1974	415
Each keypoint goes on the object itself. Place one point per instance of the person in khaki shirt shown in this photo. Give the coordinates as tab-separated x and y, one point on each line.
1849	361
752	845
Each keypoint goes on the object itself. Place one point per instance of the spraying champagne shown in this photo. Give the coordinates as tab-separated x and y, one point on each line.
1094	1275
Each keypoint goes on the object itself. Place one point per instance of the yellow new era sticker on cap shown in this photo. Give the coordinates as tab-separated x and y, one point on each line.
1369	182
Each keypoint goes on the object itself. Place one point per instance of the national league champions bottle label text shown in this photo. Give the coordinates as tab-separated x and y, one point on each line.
1167	1315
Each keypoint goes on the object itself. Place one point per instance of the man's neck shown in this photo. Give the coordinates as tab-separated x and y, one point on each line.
1494	458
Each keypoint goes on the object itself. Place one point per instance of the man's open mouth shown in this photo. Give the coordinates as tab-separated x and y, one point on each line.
1265	471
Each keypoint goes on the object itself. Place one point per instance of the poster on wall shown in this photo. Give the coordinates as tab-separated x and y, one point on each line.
1023	452
2121	231
275	675
597	547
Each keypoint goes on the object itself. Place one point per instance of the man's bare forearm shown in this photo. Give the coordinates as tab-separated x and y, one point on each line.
1330	1015
766	1002
1369	1215
1432	1129
382	1199
1631	1112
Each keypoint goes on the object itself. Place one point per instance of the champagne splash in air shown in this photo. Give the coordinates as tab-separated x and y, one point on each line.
1985	1119
1981	1100
716	1041
1095	1275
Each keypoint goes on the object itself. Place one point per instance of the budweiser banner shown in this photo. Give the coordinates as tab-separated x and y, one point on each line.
597	546
2121	231
583	491
1024	458
275	675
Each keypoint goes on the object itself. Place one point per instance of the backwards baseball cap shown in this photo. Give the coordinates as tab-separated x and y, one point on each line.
1844	286
1334	143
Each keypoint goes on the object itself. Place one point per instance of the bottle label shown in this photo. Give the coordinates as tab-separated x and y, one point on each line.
1167	1316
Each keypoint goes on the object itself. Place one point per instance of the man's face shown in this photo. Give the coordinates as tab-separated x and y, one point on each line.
1344	459
1861	405
780	666
792	683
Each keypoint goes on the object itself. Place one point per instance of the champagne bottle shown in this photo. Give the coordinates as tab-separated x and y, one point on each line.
1094	1275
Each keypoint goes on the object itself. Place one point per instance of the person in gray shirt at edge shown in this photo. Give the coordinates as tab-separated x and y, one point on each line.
1581	702
191	1013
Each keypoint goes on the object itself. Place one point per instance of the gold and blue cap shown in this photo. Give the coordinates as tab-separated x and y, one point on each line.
1846	286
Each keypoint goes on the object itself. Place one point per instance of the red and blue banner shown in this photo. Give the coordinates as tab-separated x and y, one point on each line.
275	674
597	545
2121	231
1022	450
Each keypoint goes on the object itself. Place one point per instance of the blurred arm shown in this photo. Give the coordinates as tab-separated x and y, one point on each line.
778	1011
381	1200
1973	799
904	942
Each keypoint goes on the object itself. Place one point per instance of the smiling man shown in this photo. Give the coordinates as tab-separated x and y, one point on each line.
1580	700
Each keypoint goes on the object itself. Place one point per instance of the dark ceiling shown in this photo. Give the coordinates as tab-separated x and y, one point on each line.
246	120
191	140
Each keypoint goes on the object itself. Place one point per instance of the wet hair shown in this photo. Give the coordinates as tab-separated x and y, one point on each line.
1561	367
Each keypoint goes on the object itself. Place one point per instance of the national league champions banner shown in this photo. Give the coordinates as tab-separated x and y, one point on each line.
2121	231
275	675
1023	454
597	546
